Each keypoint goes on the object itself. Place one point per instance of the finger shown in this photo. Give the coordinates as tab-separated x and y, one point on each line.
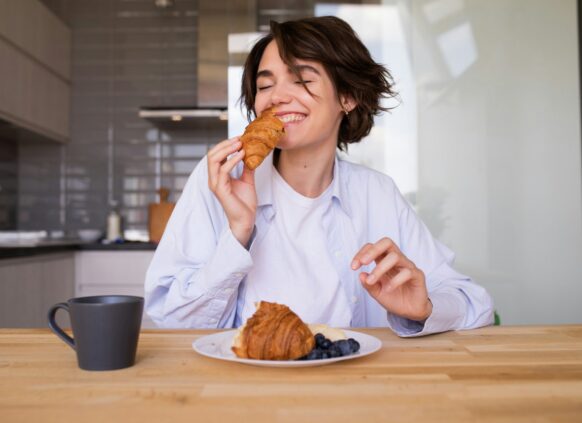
374	289
226	168
403	276
217	156
374	252
248	176
222	150
385	266
222	144
357	260
379	249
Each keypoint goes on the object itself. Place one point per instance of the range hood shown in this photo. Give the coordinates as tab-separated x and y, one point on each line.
215	21
184	117
178	114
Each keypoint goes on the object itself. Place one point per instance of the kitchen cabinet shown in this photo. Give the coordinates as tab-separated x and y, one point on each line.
30	286
33	29
112	272
35	86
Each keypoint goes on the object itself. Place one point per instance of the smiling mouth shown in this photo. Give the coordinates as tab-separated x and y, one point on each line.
291	117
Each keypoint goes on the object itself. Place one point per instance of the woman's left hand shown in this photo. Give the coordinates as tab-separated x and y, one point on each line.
396	283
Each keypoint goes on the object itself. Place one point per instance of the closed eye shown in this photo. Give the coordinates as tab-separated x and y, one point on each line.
264	87
304	81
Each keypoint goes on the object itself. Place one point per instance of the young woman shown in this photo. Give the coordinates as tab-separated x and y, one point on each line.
334	241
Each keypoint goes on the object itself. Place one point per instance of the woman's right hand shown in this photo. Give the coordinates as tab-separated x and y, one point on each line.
238	197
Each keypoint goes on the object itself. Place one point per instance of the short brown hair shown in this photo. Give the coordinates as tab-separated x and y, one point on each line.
333	43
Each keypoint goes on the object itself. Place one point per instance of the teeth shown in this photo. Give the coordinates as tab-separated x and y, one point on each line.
291	117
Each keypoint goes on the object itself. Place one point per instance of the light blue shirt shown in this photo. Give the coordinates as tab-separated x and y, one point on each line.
198	274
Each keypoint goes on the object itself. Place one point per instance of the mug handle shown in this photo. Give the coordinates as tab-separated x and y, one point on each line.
55	328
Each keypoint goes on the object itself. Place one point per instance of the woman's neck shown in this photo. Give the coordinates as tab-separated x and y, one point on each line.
308	172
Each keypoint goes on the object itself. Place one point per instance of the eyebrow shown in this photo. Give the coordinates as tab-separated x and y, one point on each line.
264	74
300	68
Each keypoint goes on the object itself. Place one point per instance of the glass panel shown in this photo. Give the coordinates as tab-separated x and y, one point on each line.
499	148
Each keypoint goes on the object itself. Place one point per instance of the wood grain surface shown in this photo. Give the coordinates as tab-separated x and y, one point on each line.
495	374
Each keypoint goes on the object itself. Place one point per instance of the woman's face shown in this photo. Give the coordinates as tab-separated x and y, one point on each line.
310	120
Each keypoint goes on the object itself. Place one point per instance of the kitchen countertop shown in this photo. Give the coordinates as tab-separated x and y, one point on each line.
501	374
124	246
55	246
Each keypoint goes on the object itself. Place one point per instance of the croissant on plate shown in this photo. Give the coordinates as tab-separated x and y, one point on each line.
261	137
274	332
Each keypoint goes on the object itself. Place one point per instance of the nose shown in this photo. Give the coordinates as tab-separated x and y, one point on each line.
280	94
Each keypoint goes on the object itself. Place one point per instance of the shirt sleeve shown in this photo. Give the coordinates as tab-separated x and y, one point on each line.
193	279
458	302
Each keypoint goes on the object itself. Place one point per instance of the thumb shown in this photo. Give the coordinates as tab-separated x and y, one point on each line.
374	289
248	176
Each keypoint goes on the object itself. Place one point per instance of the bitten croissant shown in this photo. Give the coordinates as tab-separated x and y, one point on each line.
274	332
261	137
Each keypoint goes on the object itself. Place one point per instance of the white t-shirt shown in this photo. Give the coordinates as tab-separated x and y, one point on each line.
296	242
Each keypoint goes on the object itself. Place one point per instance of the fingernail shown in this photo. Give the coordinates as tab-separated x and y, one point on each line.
354	264
370	280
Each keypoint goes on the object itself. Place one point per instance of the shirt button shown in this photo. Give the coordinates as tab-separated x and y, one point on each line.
354	299
338	253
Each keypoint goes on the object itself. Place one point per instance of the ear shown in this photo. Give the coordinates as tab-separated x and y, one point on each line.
347	103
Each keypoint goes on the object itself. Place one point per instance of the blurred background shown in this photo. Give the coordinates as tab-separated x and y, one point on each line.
102	103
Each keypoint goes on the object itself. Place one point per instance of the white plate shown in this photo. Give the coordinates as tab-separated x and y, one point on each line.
218	346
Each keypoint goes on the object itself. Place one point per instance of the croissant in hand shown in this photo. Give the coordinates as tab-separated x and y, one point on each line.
261	137
274	332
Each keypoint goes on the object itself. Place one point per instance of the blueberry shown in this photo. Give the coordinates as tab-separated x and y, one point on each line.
325	348
315	354
354	345
319	338
334	352
305	357
344	346
326	344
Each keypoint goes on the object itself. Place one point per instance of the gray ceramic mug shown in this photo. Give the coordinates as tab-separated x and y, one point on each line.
105	329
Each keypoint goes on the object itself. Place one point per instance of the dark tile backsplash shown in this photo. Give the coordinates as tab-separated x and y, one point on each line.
8	179
125	54
41	186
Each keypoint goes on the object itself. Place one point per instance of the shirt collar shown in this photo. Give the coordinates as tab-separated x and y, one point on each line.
264	185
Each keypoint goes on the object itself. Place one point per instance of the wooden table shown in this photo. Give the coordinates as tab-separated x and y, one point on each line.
497	374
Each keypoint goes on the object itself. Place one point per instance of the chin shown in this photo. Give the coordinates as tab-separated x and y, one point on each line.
284	145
